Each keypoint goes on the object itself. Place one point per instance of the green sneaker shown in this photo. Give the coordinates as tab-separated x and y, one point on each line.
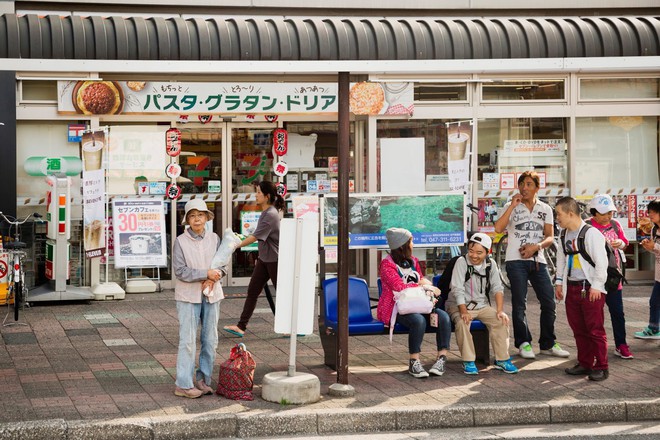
526	351
647	333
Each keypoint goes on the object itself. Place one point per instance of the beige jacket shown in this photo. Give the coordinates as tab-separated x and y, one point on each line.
198	255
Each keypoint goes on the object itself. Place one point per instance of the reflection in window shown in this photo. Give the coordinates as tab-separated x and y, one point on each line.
516	90
440	92
620	88
616	152
510	146
39	90
252	151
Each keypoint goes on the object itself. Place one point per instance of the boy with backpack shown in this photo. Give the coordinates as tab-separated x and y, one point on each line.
653	245
583	285
474	278
601	208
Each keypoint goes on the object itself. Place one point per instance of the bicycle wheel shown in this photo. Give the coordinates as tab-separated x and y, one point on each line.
18	298
551	259
500	259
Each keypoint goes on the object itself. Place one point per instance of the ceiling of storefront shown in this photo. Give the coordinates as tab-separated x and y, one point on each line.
319	38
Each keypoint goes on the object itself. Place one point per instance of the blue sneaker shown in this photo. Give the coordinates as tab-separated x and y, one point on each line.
506	366
470	368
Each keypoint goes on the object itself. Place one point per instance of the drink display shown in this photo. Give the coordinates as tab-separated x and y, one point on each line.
92	154
457	145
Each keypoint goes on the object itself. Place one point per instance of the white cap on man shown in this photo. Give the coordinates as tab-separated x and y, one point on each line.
482	239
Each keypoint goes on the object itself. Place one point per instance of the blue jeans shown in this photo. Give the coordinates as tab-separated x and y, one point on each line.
190	317
654	306
519	272
614	301
418	324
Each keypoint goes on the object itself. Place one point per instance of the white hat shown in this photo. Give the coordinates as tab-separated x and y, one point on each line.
199	205
482	239
397	237
602	203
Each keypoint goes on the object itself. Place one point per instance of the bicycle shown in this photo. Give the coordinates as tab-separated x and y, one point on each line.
17	290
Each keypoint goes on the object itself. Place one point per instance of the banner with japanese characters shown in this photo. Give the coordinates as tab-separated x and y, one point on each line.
93	147
459	151
139	232
98	97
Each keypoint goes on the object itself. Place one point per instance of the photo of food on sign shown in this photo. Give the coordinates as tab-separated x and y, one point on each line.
97	97
369	98
140	243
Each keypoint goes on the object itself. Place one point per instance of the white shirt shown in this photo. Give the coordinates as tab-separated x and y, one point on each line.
527	227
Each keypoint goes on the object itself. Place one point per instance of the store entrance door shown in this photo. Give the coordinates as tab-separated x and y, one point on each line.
248	160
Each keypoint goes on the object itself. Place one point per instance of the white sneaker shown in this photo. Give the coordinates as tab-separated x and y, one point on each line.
526	351
557	351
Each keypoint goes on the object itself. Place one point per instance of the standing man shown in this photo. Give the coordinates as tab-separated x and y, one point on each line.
584	288
529	225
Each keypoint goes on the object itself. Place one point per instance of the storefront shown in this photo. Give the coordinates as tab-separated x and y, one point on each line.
578	100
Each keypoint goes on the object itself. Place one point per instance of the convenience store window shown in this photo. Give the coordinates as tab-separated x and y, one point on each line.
598	89
616	152
508	147
526	90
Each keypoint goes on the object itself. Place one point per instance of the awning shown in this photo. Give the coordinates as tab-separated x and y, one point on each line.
324	39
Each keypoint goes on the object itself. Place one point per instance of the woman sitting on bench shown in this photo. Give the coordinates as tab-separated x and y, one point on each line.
401	270
474	279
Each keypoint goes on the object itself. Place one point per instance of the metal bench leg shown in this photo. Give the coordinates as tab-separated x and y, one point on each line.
481	346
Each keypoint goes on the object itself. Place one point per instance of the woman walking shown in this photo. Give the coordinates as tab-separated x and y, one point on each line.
268	236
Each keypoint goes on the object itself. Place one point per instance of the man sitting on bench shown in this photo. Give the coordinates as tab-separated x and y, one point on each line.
398	271
474	279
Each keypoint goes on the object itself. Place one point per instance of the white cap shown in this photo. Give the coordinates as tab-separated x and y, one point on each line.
482	239
199	205
602	203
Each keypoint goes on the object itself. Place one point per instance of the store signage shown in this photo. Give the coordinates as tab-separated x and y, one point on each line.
280	141
45	166
157	188
205	119
173	191
280	169
173	170
139	231
215	186
280	188
532	145
173	142
269	99
76	132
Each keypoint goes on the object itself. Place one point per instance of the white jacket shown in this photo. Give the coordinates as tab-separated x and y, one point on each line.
594	243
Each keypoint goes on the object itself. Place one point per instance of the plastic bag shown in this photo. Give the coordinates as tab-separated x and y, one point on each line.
222	257
236	377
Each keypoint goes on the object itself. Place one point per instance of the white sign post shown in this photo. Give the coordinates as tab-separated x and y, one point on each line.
294	310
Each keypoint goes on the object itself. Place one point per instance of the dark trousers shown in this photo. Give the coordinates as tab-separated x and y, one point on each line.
614	301
260	276
654	307
519	272
587	319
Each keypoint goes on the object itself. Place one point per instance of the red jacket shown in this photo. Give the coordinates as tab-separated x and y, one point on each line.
391	282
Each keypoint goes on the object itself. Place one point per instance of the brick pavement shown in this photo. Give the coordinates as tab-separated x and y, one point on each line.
116	360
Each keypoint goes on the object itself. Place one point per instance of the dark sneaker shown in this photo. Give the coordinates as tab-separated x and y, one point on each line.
439	367
470	368
416	370
506	366
577	370
623	351
598	375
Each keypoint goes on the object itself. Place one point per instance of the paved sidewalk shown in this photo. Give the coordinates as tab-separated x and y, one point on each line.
106	369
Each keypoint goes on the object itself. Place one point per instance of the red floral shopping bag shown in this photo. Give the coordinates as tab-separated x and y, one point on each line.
236	377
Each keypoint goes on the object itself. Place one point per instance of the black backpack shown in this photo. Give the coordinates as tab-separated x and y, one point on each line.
444	283
614	274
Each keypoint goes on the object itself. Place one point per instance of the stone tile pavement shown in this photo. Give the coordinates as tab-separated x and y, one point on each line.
107	368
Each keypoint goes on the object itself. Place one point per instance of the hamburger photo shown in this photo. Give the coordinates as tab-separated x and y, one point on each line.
97	97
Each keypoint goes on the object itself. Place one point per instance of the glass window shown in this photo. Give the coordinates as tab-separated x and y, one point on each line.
619	88
510	146
252	150
200	158
516	90
434	132
38	90
616	152
433	92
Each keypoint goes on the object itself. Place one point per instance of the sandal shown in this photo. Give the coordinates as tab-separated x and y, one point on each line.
232	329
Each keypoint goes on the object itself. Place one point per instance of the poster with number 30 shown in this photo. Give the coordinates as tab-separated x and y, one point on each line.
139	233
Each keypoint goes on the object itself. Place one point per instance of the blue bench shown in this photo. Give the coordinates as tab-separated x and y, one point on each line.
362	322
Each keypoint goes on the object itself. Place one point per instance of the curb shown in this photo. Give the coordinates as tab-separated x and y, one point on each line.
259	423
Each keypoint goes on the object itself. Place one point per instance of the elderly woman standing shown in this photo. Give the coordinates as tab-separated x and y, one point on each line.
401	270
192	256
